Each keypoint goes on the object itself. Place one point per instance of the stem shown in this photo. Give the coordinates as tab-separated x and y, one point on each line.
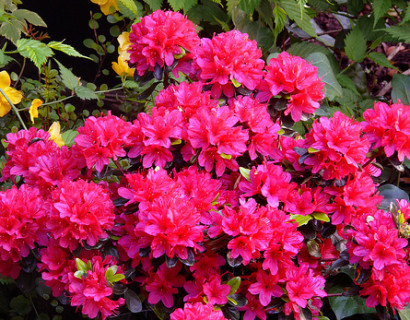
339	294
14	108
21	72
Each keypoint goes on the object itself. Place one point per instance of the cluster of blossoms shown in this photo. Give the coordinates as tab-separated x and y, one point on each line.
203	206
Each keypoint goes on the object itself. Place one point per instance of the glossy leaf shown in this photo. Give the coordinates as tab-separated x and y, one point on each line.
401	88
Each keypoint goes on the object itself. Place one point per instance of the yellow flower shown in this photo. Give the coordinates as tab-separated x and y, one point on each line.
34	109
124	41
14	95
122	69
55	134
107	6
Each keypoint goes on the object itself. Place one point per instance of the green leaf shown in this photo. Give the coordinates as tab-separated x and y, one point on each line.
406	18
11	30
210	12
346	82
68	137
154	4
128	8
68	78
279	18
301	219
401	88
344	307
81	265
405	313
65	48
35	50
231	5
380	7
321	216
355	45
133	301
332	87
302	19
130	84
249	6
4	59
234	283
30	16
245	173
85	93
381	60
182	4
401	33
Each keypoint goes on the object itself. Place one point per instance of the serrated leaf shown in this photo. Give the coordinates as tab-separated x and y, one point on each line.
380	7
34	50
406	17
68	78
231	5
128	8
234	283
332	87
405	313
130	84
249	6
154	4
182	4
346	82
381	60
11	30
401	33
4	59
401	88
85	93
302	19
65	48
355	45
279	18
68	137
30	16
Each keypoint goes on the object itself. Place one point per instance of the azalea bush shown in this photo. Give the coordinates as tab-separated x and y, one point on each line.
230	197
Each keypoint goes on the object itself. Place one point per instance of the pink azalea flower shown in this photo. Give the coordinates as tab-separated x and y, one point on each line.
198	310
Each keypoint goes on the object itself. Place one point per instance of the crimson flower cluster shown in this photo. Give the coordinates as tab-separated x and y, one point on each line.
202	208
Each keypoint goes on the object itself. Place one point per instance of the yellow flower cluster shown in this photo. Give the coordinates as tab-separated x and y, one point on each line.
107	6
121	68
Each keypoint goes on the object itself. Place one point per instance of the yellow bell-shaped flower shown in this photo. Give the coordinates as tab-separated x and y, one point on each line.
14	95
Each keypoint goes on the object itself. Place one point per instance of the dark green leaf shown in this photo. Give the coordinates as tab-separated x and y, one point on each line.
302	19
4	59
11	29
85	93
380	7
128	8
332	86
133	301
21	305
182	4
381	60
401	88
347	306
154	4
210	12
355	45
401	33
354	6
406	18
321	5
249	6
390	193
346	82
231	5
68	78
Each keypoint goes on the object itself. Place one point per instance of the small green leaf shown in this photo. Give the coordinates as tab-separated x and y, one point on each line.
130	84
381	60
405	313
35	50
4	59
380	7
313	150
78	274
401	33
133	301
279	18
321	216
235	83
346	82
226	156
11	29
301	17
245	173
68	78
68	137
85	93
249	6
234	283
355	45
401	88
65	48
81	265
301	219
